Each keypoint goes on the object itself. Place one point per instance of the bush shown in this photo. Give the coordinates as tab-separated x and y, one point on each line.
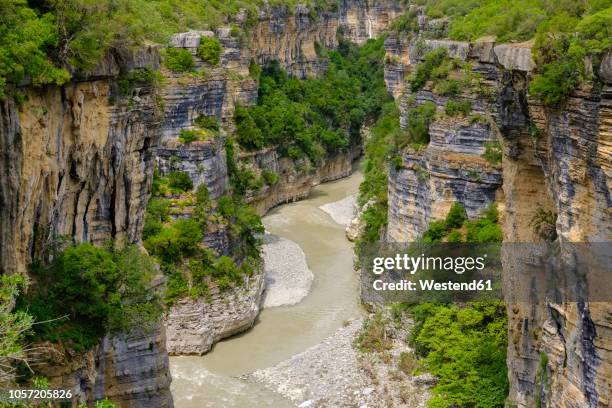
207	122
178	60
249	135
424	69
176	241
180	181
158	212
373	336
471	368
210	50
448	87
270	177
454	237
435	232
407	363
493	152
138	78
456	216
98	289
188	136
419	119
454	108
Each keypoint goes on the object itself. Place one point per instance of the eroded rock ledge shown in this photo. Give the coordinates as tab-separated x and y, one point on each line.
554	159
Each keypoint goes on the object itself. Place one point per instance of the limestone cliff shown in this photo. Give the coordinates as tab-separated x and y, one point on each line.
77	161
291	39
556	160
427	180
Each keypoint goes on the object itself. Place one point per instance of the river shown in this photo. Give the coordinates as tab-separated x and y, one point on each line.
279	333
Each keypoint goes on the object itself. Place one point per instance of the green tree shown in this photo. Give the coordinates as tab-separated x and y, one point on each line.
210	50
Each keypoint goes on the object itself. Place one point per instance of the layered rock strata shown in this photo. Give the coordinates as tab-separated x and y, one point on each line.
193	326
555	161
425	181
77	161
291	39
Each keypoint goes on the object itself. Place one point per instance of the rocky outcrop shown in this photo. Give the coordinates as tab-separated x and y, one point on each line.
194	325
555	160
77	161
425	181
296	180
132	370
558	160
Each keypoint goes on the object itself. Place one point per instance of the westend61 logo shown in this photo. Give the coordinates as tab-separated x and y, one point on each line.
411	265
444	272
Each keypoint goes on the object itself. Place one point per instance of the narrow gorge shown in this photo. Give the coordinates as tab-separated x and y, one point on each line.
187	193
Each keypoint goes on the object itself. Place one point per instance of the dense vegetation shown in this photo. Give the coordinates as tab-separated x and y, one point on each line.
44	40
313	118
86	291
13	326
465	347
565	32
177	243
457	228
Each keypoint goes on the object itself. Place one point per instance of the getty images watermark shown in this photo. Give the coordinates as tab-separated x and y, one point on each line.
529	272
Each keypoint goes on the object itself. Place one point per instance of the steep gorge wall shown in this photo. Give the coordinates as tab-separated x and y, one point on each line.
559	353
290	38
77	161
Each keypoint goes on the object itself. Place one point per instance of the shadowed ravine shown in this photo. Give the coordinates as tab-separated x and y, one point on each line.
279	333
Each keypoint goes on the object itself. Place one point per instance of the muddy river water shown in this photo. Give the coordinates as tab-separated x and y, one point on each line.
279	333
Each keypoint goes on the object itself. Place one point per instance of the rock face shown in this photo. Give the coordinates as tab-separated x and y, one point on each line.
295	182
129	369
556	160
564	168
424	182
77	161
290	38
193	326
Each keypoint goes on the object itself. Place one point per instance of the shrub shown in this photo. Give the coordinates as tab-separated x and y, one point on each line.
456	216
210	50
435	232
270	177
544	225
407	363
188	136
207	122
138	78
98	289
176	241
454	237
471	369
448	87
180	181
419	119
493	152
373	336
158	212
249	135
14	324
454	108
178	60
432	60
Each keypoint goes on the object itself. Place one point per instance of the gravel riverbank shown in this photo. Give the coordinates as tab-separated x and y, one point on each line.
287	276
334	374
342	211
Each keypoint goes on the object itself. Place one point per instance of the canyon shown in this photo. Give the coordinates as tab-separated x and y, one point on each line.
77	161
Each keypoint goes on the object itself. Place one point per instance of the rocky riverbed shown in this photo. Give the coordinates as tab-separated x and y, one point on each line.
287	276
334	373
